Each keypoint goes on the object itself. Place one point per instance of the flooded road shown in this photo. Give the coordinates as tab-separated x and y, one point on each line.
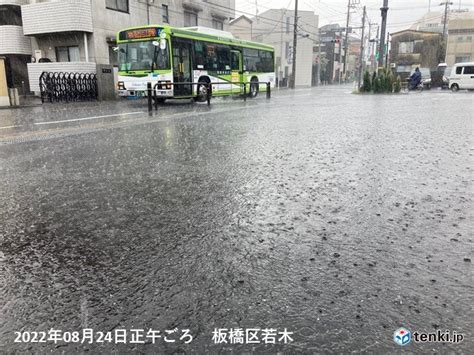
339	217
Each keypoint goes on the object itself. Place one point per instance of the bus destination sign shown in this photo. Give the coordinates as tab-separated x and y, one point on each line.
141	33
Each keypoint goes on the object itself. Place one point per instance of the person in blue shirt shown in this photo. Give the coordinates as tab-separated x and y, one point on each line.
415	79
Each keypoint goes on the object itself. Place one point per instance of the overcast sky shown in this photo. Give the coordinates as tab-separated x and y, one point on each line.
401	14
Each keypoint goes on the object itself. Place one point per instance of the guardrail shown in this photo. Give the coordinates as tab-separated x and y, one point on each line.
153	98
63	86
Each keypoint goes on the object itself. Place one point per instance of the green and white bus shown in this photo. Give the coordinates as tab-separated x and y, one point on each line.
164	55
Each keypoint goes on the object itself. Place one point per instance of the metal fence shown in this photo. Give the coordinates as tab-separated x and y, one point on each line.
153	99
68	87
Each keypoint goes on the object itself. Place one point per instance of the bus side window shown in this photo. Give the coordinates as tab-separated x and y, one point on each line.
234	64
266	63
251	59
223	58
211	57
199	55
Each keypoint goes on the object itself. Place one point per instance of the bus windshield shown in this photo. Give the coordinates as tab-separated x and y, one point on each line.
142	56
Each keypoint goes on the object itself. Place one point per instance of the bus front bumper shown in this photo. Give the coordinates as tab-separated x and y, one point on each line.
142	93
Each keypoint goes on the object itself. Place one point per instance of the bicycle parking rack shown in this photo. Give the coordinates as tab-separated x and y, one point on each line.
67	87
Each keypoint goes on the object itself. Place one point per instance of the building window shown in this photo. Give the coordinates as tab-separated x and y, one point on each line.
117	5
10	16
218	25
288	24
68	54
462	59
406	47
190	19
464	39
165	15
287	50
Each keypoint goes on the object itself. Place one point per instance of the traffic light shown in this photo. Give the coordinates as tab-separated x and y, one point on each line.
336	40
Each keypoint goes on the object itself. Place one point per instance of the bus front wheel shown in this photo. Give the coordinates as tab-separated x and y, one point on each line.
202	88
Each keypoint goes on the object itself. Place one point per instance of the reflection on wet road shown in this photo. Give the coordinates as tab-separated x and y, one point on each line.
340	217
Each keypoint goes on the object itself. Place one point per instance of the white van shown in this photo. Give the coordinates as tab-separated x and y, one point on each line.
462	76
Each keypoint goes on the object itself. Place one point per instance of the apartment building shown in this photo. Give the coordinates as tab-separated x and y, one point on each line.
75	35
275	27
460	46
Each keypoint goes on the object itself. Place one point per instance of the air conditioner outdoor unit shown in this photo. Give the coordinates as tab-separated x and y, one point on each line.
38	54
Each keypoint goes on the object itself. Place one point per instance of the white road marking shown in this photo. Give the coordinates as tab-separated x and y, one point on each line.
7	127
89	118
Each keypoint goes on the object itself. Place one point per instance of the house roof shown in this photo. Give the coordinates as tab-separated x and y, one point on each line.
415	31
241	17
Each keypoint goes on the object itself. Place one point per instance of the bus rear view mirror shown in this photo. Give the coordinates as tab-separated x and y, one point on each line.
163	44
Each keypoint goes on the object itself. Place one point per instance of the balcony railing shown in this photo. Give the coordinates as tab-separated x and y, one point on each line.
60	16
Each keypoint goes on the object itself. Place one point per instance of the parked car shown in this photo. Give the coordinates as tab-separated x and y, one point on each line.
462	76
440	78
425	77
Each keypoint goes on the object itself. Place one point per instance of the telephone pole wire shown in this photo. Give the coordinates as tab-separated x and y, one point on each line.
295	40
384	11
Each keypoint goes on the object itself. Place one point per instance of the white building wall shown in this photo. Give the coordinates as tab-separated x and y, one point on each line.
61	16
279	33
13	41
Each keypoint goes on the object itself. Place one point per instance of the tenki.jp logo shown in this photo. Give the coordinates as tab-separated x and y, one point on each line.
402	336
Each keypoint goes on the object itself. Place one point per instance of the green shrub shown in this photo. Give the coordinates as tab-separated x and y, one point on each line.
377	85
367	85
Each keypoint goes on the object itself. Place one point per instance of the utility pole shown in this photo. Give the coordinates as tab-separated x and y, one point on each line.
148	12
318	78
383	10
361	57
376	48
295	40
445	20
346	40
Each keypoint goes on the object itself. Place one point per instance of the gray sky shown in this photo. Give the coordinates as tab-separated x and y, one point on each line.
401	14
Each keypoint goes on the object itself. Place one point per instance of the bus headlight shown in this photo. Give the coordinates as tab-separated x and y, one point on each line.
164	85
121	85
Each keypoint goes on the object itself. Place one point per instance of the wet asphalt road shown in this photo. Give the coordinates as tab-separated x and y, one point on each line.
339	217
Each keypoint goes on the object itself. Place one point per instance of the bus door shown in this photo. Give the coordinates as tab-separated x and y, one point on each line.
236	67
182	68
